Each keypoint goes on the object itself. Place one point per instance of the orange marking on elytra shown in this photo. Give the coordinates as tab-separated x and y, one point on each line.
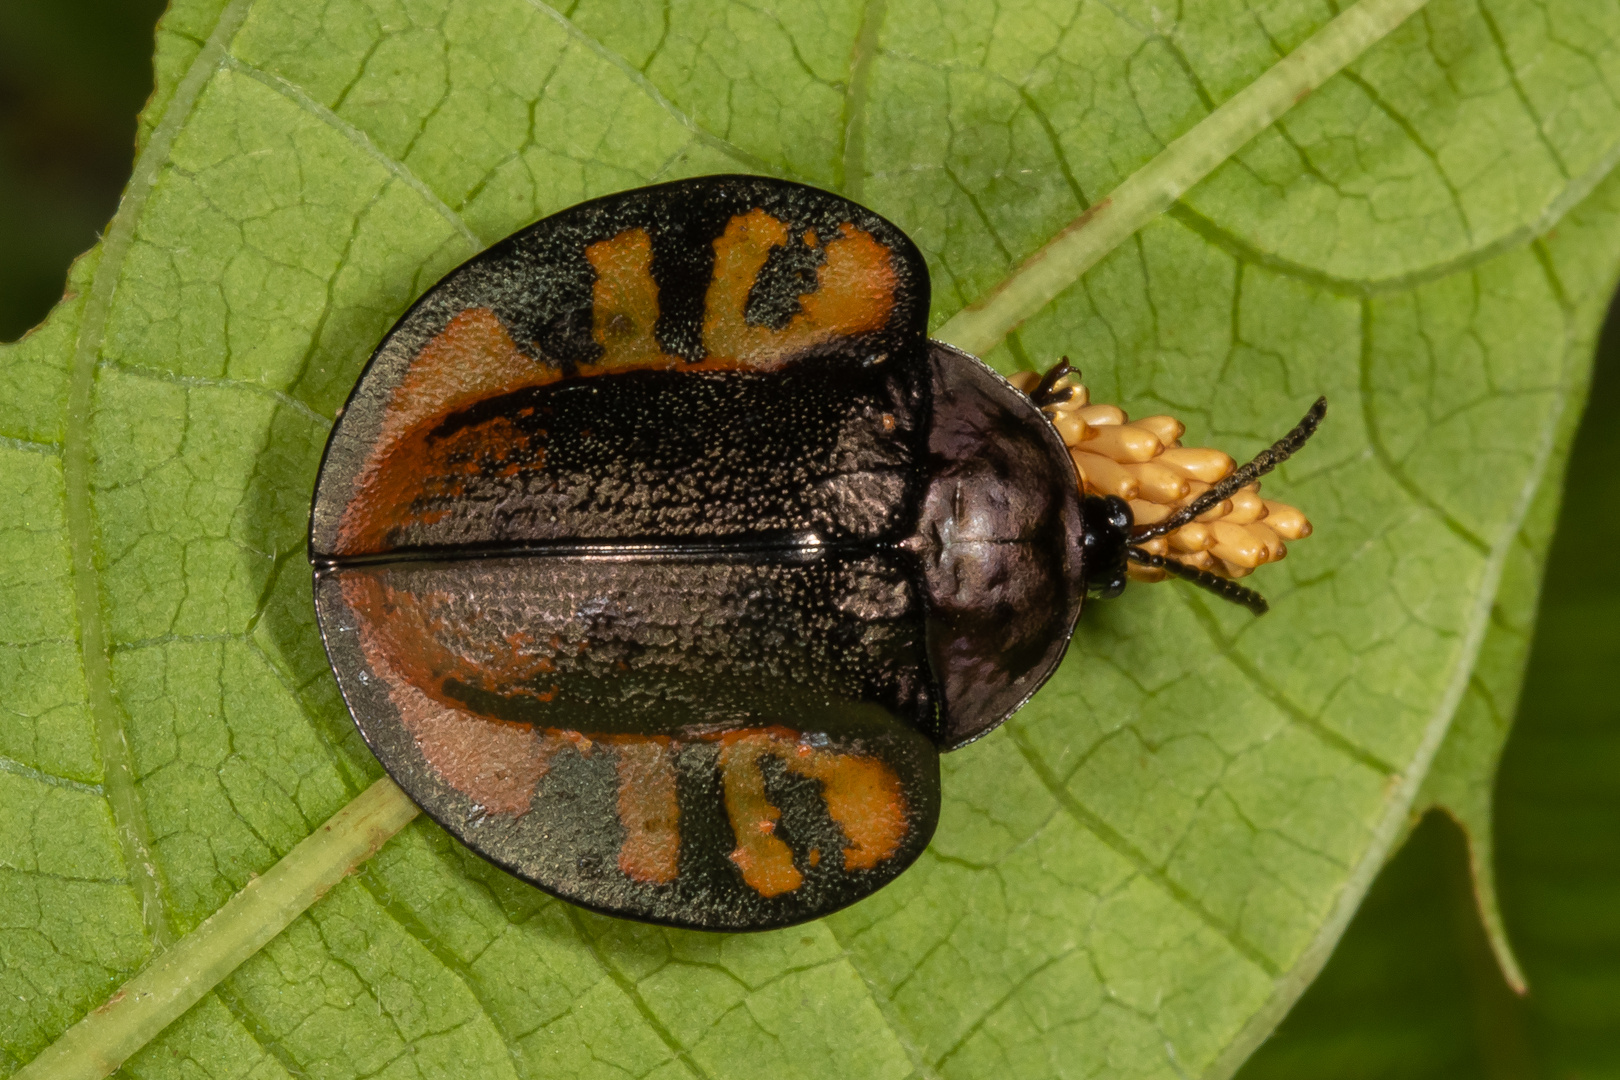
865	798
854	292
624	304
579	740
472	358
863	795
648	809
765	861
496	763
411	632
739	256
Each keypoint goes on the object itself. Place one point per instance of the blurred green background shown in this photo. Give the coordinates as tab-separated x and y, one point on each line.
1412	990
72	77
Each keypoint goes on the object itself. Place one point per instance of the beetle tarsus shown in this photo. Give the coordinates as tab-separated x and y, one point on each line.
1046	392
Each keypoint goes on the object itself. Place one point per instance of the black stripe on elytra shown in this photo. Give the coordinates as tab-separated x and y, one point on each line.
682	266
540	285
788	276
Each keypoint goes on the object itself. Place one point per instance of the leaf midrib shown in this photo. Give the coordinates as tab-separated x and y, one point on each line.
1158	185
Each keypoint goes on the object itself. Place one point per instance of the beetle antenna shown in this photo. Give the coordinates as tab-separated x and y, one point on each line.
1222	587
1263	462
1045	392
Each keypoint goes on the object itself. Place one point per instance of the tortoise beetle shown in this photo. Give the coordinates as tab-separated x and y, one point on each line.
659	554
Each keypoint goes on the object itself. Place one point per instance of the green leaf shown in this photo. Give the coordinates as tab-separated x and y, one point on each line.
1139	874
1409	991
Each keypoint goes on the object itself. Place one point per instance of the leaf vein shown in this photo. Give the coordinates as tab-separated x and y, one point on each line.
1018	984
255	1030
1228	650
29	772
633	995
1381	452
412	925
280	397
1519	91
646	86
361	141
1568	197
1138	860
1400	797
885	1010
851	178
1159	184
